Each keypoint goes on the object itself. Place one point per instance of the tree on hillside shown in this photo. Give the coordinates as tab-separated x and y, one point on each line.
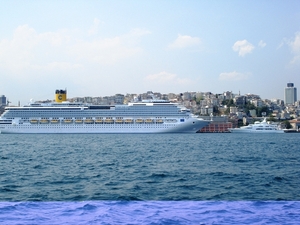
248	106
287	124
216	110
271	118
228	102
265	109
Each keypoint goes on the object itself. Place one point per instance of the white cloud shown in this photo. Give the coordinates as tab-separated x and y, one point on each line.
137	32
109	50
295	43
28	49
94	28
262	44
64	49
233	76
106	51
184	41
166	78
243	47
295	48
62	66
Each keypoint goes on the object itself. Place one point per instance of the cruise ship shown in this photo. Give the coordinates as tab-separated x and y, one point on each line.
61	116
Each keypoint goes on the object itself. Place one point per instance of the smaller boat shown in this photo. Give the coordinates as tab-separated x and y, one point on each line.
258	127
78	121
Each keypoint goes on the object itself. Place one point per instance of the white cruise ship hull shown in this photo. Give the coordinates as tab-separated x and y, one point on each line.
191	125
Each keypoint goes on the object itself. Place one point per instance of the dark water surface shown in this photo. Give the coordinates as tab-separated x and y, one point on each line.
149	167
70	168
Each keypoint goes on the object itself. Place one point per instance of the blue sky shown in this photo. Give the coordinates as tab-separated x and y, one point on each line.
100	48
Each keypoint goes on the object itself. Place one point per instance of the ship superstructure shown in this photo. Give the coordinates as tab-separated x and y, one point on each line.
66	117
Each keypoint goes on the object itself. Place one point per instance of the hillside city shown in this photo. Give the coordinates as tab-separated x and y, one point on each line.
226	107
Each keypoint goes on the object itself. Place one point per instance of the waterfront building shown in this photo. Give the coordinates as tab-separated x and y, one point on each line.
119	99
240	100
88	99
216	127
200	95
257	102
252	112
290	94
207	110
233	109
228	95
295	123
187	96
214	101
172	96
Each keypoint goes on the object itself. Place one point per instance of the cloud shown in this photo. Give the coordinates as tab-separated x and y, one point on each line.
105	51
109	50
262	44
28	49
62	66
294	45
94	28
184	41
243	47
234	76
65	49
166	78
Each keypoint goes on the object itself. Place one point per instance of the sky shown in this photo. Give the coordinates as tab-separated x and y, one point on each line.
106	47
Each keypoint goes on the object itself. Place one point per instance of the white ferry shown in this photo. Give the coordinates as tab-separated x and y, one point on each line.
66	117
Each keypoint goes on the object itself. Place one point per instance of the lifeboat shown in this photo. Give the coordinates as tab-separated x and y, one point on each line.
78	121
54	121
119	121
128	121
88	121
34	121
159	121
99	121
148	121
68	121
108	121
44	121
139	121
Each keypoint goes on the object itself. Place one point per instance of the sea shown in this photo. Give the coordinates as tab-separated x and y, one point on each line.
201	178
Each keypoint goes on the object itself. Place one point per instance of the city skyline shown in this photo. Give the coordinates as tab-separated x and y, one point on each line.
290	96
103	48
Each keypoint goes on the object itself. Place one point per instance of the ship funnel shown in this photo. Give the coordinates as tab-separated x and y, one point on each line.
60	95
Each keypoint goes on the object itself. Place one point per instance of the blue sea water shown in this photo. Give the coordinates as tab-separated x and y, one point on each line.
150	179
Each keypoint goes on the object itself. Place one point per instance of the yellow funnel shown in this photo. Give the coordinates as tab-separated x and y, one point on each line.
60	95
